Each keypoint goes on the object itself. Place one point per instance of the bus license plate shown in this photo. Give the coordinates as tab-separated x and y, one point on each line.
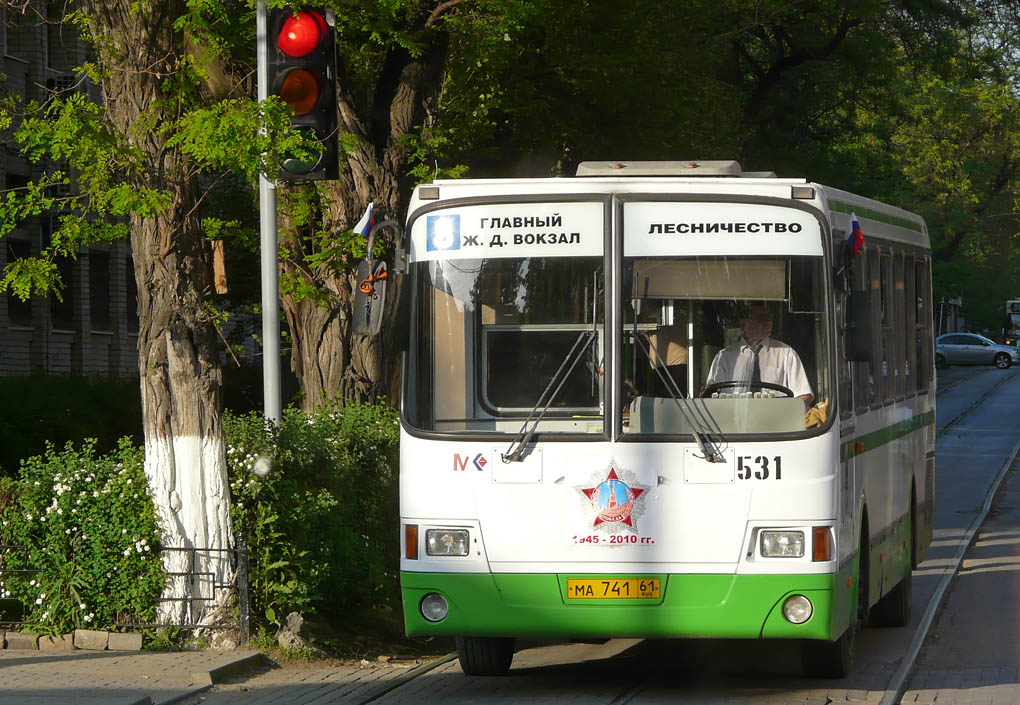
612	588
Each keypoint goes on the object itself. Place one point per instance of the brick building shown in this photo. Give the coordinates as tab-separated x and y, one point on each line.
92	331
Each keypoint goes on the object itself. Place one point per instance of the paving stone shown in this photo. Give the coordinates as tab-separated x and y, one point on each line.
60	642
125	642
91	639
17	640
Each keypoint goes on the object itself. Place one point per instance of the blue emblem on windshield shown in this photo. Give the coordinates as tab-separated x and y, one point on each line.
443	232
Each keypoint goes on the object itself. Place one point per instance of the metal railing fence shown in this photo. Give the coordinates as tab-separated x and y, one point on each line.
193	604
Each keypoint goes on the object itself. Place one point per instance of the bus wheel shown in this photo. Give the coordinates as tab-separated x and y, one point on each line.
831	659
485	656
893	610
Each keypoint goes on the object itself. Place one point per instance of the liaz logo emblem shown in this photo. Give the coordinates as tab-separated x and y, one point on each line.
615	502
443	232
460	462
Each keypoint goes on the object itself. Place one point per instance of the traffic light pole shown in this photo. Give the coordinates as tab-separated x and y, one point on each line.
270	271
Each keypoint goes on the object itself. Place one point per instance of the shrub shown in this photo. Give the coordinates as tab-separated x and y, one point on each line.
321	527
90	529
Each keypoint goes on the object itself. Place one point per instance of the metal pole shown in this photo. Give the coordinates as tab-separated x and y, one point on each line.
267	228
243	599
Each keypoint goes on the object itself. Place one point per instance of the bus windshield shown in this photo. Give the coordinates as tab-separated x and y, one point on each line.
492	334
724	345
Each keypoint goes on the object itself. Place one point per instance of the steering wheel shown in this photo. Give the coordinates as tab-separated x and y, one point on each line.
712	388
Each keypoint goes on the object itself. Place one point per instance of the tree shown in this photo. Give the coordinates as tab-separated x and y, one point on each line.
469	83
913	104
391	77
137	175
531	88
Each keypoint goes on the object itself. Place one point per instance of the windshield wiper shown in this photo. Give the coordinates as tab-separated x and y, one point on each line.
696	415
516	450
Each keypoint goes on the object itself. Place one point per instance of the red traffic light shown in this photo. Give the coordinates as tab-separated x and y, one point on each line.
301	68
300	90
301	33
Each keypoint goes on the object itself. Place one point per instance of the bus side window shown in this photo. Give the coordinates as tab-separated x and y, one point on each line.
923	319
888	358
910	325
862	371
875	377
843	366
896	335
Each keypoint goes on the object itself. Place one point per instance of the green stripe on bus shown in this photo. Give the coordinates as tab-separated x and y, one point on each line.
711	605
875	439
873	214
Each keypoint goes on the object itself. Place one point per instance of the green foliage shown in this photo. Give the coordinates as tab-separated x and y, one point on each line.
319	527
240	137
91	531
73	131
944	144
913	103
25	203
124	174
165	639
23	276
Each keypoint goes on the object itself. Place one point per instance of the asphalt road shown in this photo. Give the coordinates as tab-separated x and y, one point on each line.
978	434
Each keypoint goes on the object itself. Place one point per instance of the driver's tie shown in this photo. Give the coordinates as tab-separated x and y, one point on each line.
756	369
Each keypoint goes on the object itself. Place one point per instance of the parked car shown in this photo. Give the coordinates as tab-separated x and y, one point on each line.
973	349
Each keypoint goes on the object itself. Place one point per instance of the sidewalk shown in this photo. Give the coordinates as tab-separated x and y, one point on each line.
972	653
114	677
161	678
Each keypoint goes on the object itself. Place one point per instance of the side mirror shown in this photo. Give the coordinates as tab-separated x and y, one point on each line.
858	331
370	295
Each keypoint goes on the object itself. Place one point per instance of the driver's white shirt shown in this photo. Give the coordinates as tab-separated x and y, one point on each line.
778	362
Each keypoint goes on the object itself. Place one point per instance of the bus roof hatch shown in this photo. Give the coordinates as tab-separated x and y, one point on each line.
682	168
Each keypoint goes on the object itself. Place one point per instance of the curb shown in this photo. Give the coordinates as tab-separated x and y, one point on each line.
204	680
219	674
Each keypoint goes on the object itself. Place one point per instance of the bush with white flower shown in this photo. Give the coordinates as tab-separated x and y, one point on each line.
322	525
89	532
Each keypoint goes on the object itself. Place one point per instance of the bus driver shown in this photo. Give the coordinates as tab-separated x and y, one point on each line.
757	357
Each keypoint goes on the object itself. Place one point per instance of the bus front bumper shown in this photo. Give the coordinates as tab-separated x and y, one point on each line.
703	605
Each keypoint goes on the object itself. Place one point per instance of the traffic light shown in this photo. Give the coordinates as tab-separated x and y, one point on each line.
302	73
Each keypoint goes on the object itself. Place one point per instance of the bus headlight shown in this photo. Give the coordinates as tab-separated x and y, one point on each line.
782	544
447	542
434	607
797	609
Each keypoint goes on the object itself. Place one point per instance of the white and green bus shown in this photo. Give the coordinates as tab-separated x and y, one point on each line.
572	468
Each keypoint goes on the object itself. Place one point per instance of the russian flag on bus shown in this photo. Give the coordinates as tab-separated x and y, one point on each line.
854	236
364	226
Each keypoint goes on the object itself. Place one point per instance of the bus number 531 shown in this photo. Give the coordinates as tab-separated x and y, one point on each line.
759	467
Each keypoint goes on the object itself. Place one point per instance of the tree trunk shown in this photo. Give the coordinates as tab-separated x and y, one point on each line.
329	361
185	461
181	406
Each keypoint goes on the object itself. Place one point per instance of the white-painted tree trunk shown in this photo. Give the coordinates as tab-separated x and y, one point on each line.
140	45
189	481
185	455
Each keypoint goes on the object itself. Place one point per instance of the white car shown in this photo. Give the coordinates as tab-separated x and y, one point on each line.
973	349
